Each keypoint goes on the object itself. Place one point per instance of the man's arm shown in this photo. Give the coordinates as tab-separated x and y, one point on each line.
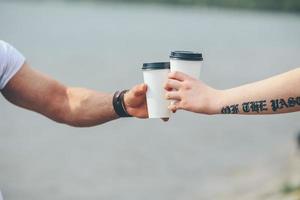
73	106
278	94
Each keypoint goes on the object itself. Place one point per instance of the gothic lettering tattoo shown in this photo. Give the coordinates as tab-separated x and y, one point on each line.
233	109
291	102
255	106
261	106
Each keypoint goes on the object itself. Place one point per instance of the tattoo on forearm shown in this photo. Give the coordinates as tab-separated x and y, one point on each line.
291	102
255	106
233	109
261	106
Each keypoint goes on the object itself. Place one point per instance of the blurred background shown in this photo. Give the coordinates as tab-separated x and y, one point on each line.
102	45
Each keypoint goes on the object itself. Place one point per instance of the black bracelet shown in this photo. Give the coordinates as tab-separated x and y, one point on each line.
119	105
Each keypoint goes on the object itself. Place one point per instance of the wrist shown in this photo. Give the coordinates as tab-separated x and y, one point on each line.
119	104
115	115
216	103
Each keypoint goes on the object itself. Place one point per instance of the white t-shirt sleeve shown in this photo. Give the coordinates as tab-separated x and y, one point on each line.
11	61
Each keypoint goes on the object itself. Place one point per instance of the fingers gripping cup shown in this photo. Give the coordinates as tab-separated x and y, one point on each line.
187	62
155	76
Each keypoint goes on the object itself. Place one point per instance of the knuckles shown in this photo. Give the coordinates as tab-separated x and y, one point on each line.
167	96
167	84
174	75
186	85
183	103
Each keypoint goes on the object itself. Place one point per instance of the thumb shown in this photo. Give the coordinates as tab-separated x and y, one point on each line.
139	90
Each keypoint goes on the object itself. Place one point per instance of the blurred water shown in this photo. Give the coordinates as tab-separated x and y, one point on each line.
102	46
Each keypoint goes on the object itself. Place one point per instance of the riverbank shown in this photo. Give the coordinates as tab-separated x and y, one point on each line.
291	188
283	184
287	185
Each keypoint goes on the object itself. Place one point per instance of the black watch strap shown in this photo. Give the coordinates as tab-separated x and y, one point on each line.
119	105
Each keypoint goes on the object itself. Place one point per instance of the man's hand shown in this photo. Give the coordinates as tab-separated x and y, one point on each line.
135	101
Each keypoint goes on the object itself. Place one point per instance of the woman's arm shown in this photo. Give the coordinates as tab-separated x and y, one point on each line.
278	94
73	106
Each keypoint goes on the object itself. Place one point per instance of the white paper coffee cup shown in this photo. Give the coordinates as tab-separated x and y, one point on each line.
155	76
187	62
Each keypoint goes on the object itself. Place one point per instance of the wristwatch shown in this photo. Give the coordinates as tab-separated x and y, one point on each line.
119	105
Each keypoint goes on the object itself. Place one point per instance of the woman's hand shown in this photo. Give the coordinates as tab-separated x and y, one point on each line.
191	94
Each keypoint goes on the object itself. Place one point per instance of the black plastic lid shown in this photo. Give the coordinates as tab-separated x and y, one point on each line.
156	65
186	55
